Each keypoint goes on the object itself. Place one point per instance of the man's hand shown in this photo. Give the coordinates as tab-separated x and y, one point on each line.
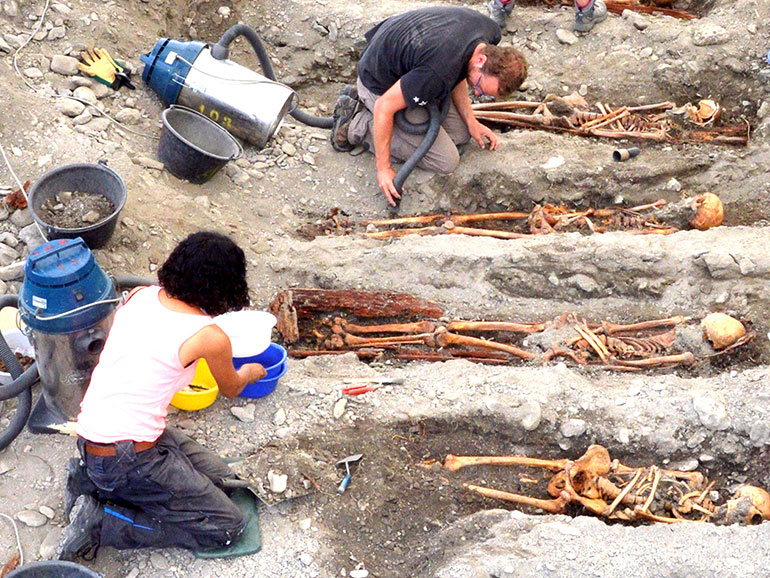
479	132
385	181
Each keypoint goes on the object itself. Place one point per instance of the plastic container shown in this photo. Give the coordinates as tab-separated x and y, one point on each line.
85	178
19	343
195	400
249	331
194	147
273	359
53	569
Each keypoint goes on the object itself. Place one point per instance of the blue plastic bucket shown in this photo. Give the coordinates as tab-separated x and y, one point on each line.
273	359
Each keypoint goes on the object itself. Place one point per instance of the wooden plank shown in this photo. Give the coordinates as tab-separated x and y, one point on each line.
363	304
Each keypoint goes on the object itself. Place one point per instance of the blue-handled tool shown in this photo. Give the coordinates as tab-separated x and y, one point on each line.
346	480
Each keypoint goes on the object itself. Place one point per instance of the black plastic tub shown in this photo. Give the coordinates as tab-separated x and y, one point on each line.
53	569
193	147
85	178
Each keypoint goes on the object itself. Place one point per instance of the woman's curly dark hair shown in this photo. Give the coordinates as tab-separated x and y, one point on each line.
207	270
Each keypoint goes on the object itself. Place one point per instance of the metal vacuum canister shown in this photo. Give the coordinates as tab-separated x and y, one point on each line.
247	104
68	303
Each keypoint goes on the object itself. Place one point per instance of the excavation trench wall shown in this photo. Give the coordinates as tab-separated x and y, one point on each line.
580	172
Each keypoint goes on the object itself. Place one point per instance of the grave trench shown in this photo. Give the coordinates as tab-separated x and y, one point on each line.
394	505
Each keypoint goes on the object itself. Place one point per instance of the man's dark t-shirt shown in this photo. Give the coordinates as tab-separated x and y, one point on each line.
428	49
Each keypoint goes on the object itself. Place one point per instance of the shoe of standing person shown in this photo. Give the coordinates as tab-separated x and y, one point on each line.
81	537
499	12
588	16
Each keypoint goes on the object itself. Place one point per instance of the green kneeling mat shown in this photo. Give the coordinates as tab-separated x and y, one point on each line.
250	541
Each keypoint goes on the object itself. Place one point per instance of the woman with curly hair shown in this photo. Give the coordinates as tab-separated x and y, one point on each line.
138	482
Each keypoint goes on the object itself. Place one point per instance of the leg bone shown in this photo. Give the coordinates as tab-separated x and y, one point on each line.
555	506
454	463
416	327
445	338
496	326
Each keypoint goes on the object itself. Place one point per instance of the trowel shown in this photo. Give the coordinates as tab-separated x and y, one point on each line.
346	480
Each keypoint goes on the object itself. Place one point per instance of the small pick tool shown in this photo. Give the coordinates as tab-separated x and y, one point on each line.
346	480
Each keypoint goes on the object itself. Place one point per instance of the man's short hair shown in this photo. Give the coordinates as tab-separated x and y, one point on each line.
507	64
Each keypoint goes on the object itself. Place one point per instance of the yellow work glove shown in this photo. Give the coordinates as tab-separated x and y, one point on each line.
100	65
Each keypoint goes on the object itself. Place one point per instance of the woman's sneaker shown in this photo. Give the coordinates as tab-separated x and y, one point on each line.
588	16
82	535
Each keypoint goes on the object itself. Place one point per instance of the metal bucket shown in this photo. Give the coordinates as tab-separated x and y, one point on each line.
194	148
86	178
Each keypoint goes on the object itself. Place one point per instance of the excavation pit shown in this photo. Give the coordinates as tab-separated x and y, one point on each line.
394	506
701	212
400	327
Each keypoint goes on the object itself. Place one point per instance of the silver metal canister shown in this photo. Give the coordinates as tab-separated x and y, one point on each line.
247	104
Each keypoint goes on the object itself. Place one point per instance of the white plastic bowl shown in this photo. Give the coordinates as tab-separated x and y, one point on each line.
18	343
249	331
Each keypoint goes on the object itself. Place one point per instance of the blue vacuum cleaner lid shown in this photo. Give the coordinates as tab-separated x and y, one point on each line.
167	65
61	276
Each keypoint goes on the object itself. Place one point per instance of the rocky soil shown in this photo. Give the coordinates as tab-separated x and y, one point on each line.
398	519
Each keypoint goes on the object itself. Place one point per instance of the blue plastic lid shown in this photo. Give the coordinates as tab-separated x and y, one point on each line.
64	289
167	64
60	262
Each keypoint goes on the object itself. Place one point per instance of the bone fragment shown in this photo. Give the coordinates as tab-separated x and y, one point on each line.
613	328
508	216
628	487
420	220
473	232
639	513
664	231
619	113
594	342
454	463
404	232
555	506
356	341
445	338
416	327
496	326
685	358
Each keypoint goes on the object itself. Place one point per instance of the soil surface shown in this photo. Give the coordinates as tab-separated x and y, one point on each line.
74	210
301	211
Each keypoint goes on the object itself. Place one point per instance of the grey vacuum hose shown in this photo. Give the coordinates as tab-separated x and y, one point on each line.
131	281
430	128
20	386
221	51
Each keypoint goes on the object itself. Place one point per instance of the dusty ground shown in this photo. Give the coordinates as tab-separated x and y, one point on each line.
398	519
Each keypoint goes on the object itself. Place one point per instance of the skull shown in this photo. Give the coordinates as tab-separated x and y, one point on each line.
750	505
708	211
722	330
706	112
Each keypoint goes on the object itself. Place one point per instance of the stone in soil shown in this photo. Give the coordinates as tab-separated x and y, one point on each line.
75	210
